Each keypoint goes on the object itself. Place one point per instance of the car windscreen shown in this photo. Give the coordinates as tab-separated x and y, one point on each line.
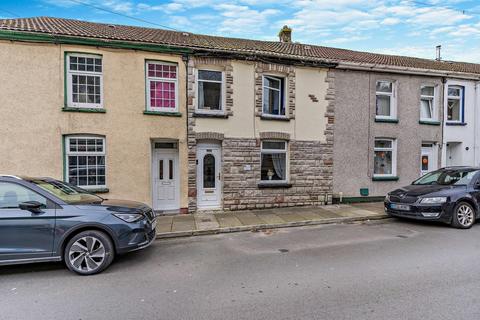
67	192
447	177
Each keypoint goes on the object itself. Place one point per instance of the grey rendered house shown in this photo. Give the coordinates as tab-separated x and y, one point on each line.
390	113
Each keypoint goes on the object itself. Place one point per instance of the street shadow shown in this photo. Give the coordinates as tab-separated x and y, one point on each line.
32	267
121	261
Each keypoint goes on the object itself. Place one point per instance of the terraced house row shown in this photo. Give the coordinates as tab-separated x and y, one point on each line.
188	122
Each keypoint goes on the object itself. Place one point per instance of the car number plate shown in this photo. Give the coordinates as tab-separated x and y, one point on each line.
403	207
154	224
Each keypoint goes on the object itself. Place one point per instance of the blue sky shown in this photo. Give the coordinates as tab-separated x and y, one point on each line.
411	28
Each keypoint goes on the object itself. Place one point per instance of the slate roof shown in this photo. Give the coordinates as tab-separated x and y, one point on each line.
306	52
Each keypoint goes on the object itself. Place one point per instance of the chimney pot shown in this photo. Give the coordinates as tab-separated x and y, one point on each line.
285	34
439	53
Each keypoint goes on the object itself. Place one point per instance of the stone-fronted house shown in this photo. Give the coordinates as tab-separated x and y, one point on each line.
188	122
259	134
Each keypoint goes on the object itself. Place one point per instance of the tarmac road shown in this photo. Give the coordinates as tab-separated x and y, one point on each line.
388	269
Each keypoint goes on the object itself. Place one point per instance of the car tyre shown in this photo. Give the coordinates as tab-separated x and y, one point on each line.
89	252
463	216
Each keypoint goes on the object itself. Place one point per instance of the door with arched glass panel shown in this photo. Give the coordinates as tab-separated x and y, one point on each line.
209	187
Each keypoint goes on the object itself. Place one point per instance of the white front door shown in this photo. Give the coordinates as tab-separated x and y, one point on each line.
209	188
166	191
429	158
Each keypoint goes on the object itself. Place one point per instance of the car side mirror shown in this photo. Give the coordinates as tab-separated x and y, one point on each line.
32	206
477	185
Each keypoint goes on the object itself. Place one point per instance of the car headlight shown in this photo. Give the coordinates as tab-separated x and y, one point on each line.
129	217
434	200
387	197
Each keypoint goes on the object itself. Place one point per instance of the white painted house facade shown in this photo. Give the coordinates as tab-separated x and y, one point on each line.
461	125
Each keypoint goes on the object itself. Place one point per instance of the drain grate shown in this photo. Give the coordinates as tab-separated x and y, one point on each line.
283	250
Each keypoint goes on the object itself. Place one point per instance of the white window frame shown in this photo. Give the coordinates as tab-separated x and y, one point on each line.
276	151
86	153
433	111
393	149
393	100
70	73
222	92
282	91
460	98
149	79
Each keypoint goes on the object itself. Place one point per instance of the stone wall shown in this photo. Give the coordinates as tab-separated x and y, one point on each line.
310	176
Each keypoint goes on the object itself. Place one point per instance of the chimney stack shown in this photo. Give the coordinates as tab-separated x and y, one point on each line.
439	53
285	34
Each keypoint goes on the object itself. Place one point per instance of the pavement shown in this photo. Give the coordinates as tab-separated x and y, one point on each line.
384	269
248	220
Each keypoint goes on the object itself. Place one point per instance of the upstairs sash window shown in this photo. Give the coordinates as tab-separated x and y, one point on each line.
162	82
84	81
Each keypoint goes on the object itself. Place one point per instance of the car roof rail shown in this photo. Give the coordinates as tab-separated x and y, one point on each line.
9	176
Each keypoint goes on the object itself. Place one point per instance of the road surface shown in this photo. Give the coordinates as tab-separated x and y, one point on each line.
380	270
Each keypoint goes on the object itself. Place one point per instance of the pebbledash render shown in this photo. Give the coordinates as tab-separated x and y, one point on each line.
188	122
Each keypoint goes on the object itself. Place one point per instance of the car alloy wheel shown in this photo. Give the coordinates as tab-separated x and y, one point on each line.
465	215
87	254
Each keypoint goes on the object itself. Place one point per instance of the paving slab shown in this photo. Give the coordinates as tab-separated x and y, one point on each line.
270	218
291	217
228	220
310	215
328	214
376	207
206	222
347	213
164	224
183	223
248	219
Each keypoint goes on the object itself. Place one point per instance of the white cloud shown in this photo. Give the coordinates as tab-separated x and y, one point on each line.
437	17
114	5
242	20
390	21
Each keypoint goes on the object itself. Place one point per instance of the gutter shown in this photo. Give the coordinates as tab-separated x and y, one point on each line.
406	70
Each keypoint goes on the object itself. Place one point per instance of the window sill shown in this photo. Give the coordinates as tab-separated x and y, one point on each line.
88	110
430	122
264	185
391	178
455	124
210	115
274	118
386	120
162	113
98	190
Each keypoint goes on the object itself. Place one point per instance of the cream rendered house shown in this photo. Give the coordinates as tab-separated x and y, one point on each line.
107	116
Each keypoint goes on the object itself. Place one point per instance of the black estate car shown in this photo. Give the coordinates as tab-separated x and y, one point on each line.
42	219
450	195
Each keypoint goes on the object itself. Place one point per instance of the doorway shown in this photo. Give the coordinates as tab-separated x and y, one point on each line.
209	187
165	176
429	160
